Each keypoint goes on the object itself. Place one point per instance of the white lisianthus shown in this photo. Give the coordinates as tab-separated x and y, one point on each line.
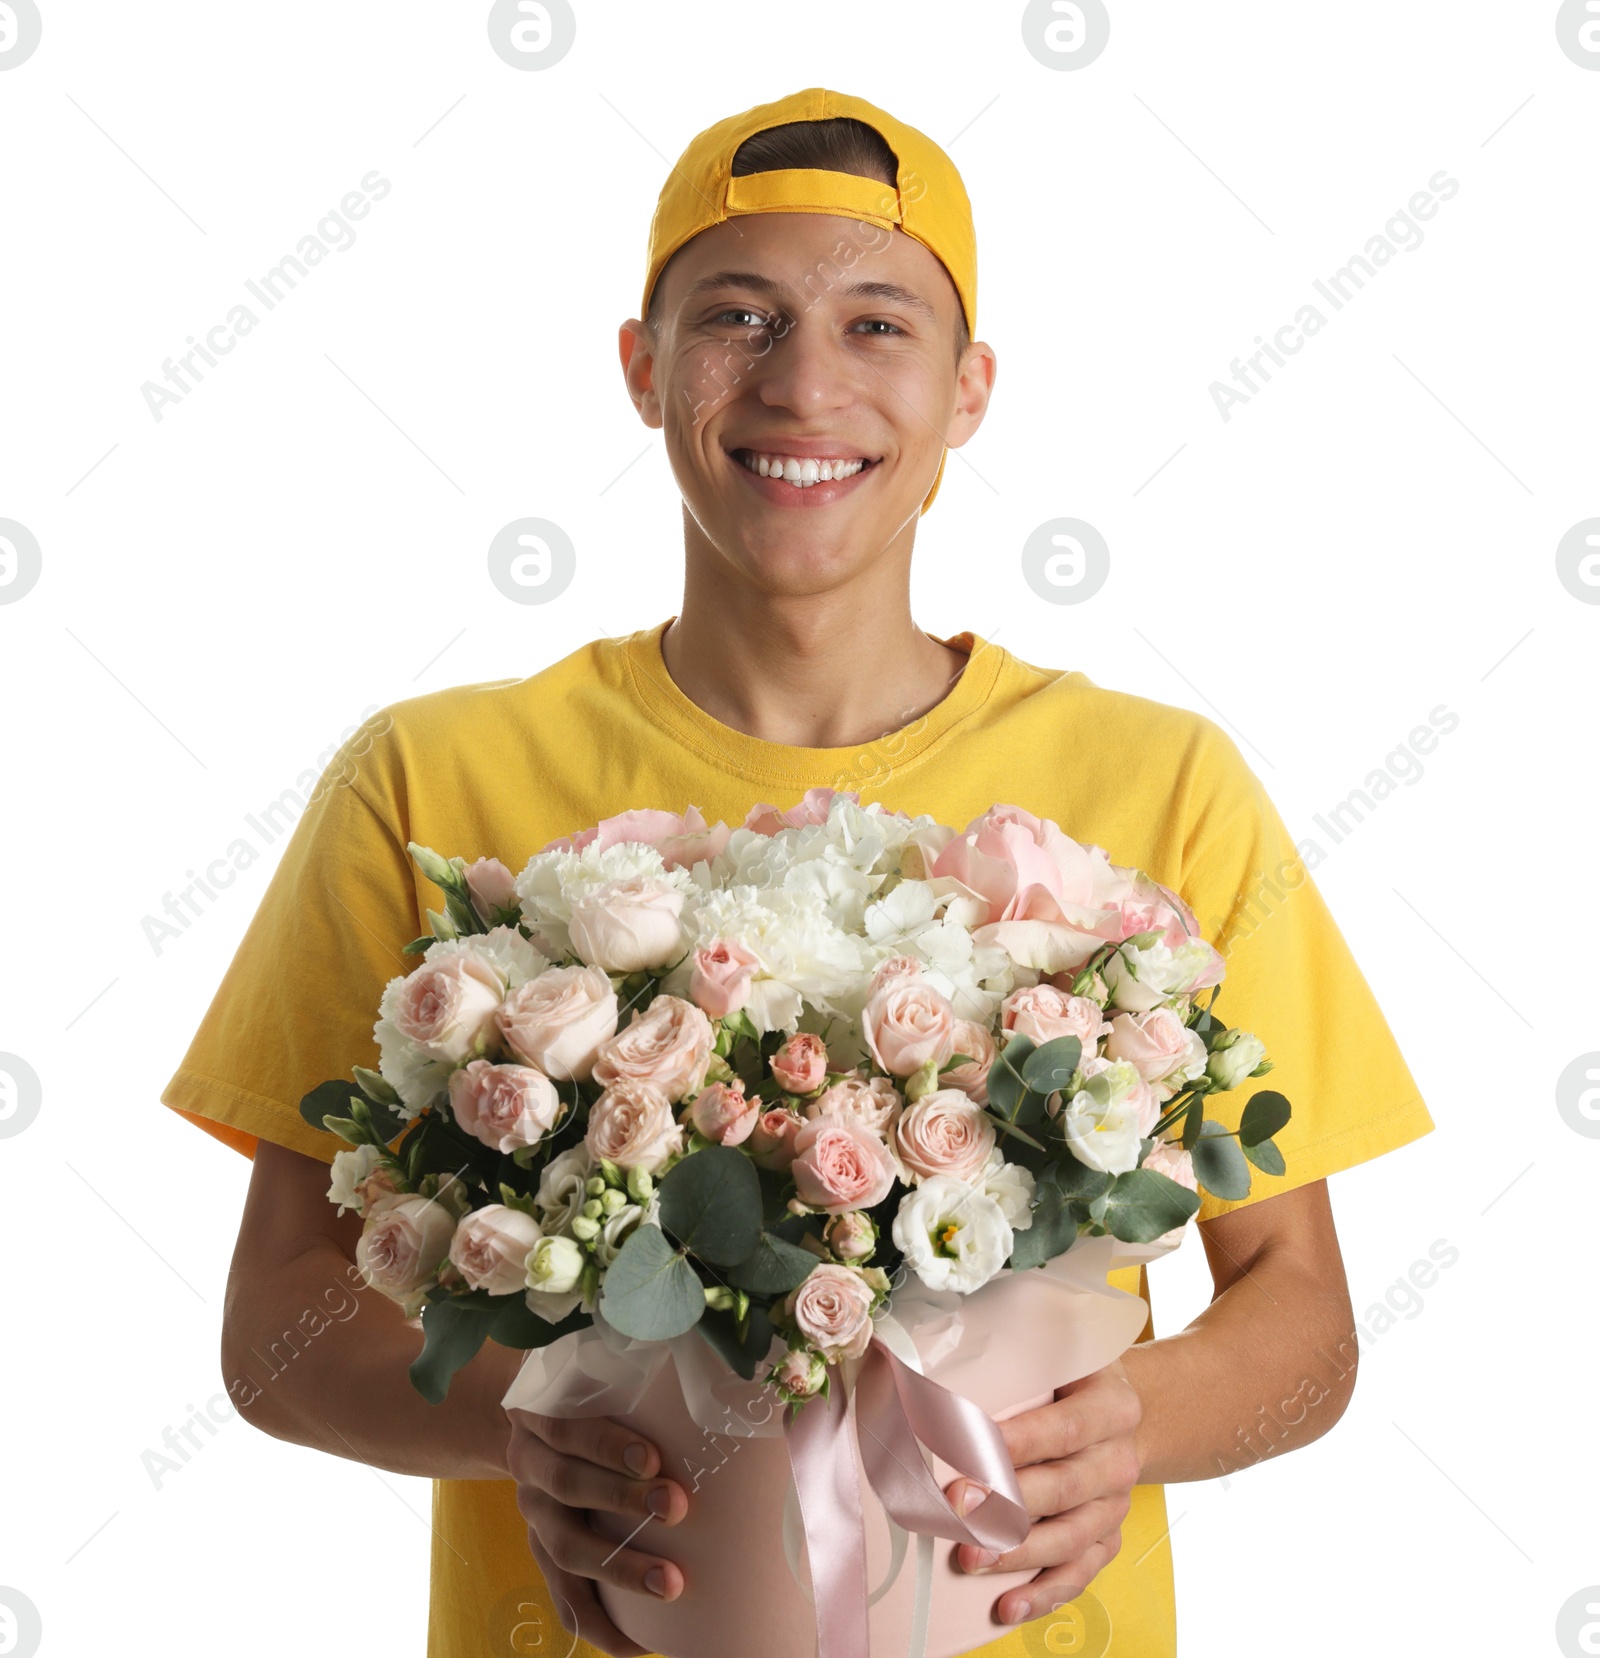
1154	975
1235	1056
951	1235
1011	1186
561	1194
350	1168
1101	1128
614	1233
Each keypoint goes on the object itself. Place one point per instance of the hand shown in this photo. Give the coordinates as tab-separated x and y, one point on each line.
565	1465
1077	1465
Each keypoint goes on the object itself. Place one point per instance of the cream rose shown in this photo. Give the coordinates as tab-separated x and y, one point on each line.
668	1045
801	1064
719	978
876	1104
557	1021
491	1246
403	1244
944	1133
840	1163
631	1125
972	1079
833	1308
1043	1012
628	926
448	1006
908	1024
1158	1045
505	1106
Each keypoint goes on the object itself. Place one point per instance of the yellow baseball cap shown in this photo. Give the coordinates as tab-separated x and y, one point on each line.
928	201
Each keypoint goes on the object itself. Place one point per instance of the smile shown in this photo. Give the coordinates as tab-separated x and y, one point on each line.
802	480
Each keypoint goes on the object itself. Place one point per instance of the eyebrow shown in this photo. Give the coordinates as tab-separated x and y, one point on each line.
773	289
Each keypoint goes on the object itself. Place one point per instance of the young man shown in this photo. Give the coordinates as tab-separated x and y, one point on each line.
809	312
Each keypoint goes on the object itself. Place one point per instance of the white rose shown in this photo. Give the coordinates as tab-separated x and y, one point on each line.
491	1248
627	926
554	1266
350	1168
1012	1187
1235	1056
951	1236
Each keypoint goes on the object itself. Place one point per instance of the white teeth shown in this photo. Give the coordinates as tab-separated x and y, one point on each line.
802	473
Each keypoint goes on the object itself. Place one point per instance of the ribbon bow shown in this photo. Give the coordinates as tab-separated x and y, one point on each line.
898	1413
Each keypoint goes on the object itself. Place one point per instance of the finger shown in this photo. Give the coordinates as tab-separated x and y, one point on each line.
1107	1410
1053	1589
577	1483
576	1547
595	1438
1052	1541
579	1608
1050	1488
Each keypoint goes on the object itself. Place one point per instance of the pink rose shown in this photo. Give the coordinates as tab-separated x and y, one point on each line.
840	1164
875	1104
908	1023
628	926
723	1114
801	1064
403	1243
448	1006
377	1186
800	1372
972	1079
505	1106
631	1125
719	982
557	1021
896	967
491	1248
669	1045
944	1133
851	1236
1044	1013
1151	907
681	841
773	1137
493	888
833	1308
1156	1044
812	810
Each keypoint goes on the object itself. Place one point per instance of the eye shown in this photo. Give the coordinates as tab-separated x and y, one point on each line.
761	318
878	322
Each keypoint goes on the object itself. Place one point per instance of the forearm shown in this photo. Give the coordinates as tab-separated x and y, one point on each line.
313	1356
1267	1367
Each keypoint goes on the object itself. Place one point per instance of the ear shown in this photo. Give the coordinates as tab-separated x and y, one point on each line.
638	370
974	387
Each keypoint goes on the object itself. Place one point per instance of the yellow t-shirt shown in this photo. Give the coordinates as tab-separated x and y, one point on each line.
499	769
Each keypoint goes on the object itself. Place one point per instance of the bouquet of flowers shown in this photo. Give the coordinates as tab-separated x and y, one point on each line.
748	1082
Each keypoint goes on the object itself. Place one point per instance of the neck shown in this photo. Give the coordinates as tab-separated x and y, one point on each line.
825	670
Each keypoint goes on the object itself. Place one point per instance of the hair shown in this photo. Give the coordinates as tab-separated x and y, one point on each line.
840	144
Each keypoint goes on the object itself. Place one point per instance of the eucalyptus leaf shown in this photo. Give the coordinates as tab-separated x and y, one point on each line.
1264	1115
1078	1181
1049	1069
1219	1164
711	1203
451	1337
517	1325
1144	1204
773	1267
743	1347
1193	1120
650	1291
1054	1229
1005	1084
1266	1156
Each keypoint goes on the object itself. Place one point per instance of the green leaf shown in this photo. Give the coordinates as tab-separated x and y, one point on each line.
1010	1129
418	945
327	1099
1078	1181
1219	1164
452	1336
711	1203
517	1325
743	1351
1193	1118
1049	1069
1263	1117
650	1290
1144	1204
1006	1084
773	1267
1054	1229
1266	1156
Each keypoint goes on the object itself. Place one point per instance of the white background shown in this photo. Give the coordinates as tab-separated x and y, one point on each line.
303	537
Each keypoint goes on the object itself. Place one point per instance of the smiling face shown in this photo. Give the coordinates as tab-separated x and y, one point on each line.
810	340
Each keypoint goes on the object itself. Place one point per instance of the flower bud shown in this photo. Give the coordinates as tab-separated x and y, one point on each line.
1235	1056
851	1236
612	1201
640	1185
585	1228
922	1081
594	1185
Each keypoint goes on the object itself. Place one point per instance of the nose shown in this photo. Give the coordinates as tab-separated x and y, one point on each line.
807	371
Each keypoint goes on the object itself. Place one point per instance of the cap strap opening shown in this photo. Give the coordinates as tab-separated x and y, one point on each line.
814	190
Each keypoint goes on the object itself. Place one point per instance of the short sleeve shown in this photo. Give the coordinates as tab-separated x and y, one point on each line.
299	1000
1292	979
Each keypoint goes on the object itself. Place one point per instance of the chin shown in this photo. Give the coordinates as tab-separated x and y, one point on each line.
793	572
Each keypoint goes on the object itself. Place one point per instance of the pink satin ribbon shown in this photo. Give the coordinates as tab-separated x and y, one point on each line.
897	1412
